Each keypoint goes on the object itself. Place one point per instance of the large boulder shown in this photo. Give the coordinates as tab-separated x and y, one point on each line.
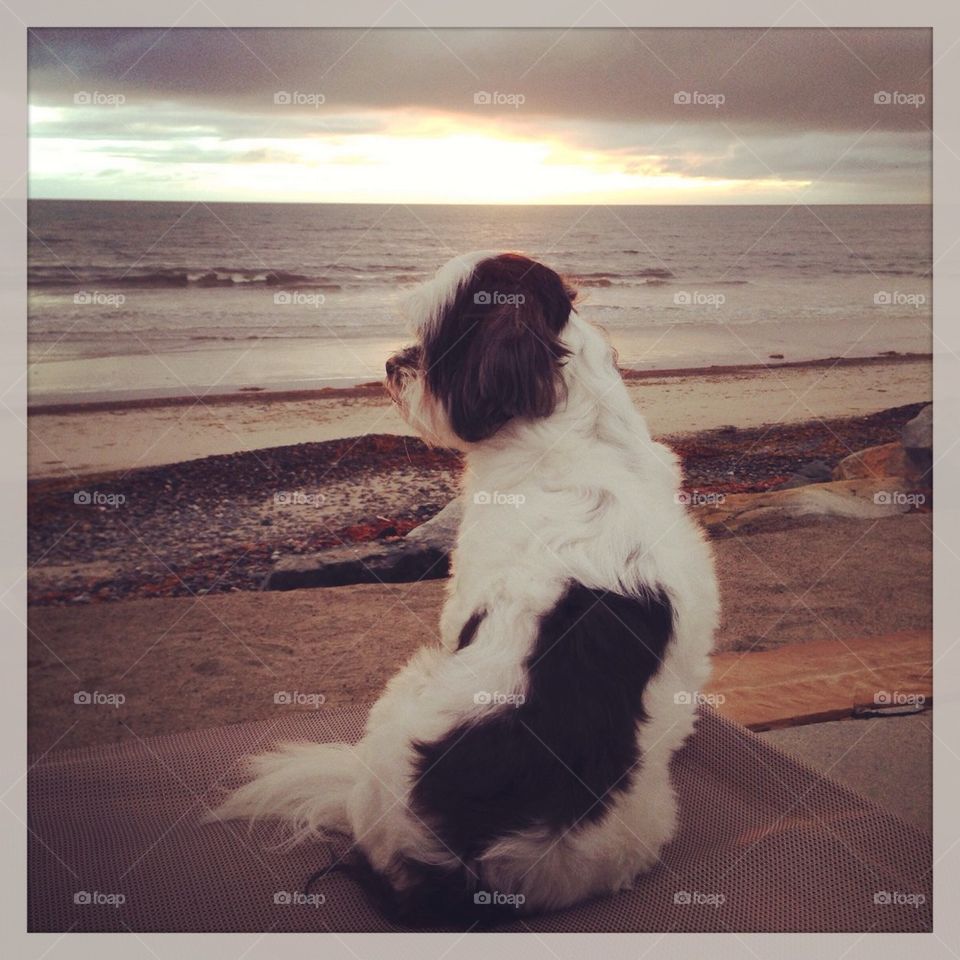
424	554
441	529
917	439
860	499
359	563
887	460
816	471
917	434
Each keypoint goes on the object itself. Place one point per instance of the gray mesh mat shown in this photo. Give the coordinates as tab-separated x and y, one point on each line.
765	844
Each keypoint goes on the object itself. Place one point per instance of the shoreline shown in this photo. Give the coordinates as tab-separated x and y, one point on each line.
374	389
80	442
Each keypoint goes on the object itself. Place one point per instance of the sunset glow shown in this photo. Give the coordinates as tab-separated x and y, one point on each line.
377	117
445	161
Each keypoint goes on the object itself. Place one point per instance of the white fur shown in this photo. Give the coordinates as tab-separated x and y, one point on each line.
424	306
594	486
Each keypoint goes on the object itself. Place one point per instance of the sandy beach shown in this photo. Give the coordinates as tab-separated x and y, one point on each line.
191	662
76	440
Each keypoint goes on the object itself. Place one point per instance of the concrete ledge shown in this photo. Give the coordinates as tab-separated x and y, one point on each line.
888	760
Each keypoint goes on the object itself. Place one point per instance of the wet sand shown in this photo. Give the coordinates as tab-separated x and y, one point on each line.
75	440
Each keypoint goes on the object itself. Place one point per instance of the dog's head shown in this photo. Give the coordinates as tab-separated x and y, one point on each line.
488	349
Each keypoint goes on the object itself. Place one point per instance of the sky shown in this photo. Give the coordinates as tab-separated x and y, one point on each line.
482	116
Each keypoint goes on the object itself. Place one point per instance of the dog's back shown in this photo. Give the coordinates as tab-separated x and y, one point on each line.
524	764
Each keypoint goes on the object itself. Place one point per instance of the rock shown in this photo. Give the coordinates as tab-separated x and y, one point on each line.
362	563
441	529
917	434
816	471
424	554
887	460
917	439
860	499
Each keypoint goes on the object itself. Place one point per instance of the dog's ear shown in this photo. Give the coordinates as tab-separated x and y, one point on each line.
496	355
508	368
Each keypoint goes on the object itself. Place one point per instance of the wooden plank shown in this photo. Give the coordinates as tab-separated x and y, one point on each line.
823	679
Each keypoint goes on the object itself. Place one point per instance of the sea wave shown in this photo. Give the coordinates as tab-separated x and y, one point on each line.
883	272
608	278
166	277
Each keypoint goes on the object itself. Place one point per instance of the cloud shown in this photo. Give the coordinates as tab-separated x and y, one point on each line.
784	78
847	110
141	119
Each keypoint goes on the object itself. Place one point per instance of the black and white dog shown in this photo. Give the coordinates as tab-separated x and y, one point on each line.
525	760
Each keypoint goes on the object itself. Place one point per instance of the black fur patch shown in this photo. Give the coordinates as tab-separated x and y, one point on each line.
560	757
470	628
432	897
496	353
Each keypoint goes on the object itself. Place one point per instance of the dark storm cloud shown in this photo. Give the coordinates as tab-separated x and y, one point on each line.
786	79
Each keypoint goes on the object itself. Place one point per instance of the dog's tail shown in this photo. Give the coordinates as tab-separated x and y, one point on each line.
305	785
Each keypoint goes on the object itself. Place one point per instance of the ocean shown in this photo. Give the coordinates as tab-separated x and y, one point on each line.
130	299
